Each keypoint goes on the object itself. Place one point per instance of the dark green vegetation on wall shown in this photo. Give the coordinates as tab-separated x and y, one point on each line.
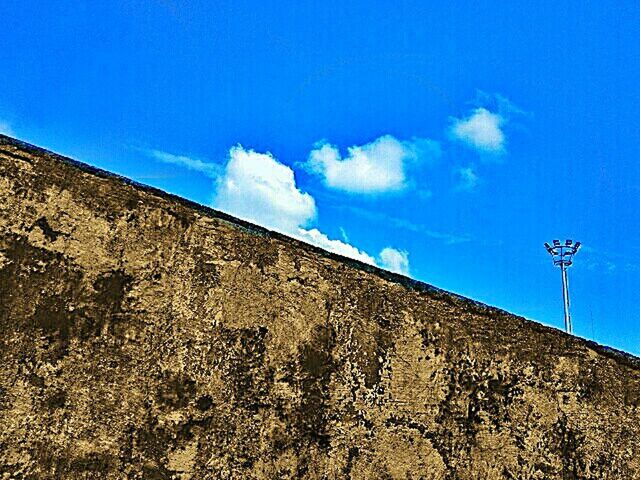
143	336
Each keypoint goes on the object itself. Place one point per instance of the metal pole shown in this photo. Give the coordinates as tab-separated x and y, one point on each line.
562	256
565	297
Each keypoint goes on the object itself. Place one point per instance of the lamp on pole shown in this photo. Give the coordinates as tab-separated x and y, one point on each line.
562	255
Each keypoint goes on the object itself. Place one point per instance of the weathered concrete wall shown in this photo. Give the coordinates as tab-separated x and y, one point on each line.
142	336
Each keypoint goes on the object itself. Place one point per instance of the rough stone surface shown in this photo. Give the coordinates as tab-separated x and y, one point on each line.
144	336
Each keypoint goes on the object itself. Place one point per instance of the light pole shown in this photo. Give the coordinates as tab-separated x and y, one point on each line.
563	257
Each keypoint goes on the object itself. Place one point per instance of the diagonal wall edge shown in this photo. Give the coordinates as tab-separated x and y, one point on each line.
145	336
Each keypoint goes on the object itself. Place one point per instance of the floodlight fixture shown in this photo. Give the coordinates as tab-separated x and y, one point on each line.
563	257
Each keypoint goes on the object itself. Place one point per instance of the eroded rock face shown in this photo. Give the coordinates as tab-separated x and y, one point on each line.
142	336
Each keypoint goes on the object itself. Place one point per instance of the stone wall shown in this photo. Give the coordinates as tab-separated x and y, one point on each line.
144	336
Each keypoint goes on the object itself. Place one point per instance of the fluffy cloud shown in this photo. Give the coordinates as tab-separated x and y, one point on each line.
395	260
468	178
376	167
482	130
256	187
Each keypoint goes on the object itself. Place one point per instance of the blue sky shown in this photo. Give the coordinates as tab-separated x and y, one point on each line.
449	141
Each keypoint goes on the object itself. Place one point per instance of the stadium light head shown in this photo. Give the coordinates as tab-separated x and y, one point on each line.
547	246
577	246
568	242
556	243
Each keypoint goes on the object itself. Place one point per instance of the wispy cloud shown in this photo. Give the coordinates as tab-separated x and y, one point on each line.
418	228
607	261
154	176
501	104
375	167
467	178
601	266
424	194
445	237
343	232
5	129
210	169
481	130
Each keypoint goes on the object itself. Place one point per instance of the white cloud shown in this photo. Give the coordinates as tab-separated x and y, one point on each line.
468	178
482	130
376	167
316	237
395	260
256	187
5	129
210	169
